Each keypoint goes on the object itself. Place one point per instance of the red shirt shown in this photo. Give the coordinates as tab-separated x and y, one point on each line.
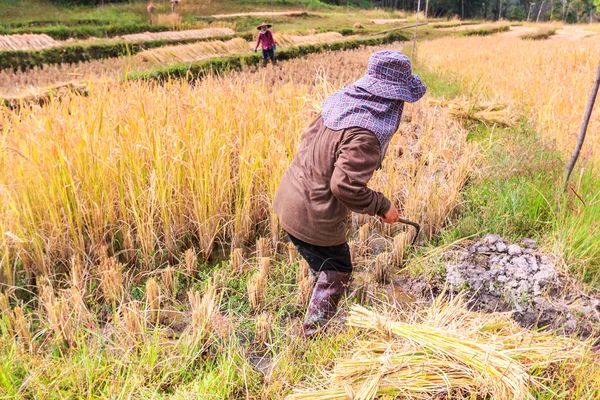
267	40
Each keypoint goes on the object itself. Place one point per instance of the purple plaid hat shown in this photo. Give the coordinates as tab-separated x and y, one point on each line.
376	101
389	75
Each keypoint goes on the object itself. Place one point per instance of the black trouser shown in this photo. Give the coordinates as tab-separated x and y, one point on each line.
324	258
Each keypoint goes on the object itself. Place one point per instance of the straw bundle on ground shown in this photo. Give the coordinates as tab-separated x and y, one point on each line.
178	35
285	39
194	51
492	112
26	42
445	350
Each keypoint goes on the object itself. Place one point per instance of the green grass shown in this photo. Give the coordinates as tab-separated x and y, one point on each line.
519	193
540	34
486	31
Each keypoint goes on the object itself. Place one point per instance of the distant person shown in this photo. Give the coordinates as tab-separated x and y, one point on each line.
174	4
151	9
327	179
268	43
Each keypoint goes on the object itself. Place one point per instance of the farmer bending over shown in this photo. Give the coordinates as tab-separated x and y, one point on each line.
328	177
266	39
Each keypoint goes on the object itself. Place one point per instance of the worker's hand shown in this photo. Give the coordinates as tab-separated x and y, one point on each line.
391	216
255	50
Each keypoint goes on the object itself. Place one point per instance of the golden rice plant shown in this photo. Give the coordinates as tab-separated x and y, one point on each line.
190	260
382	267
131	330
292	252
78	275
204	308
111	279
153	298
363	234
168	281
262	248
204	168
264	327
6	313
401	242
264	267
256	287
306	282
21	326
552	81
237	260
58	314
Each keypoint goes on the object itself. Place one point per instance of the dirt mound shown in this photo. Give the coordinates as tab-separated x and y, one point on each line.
504	276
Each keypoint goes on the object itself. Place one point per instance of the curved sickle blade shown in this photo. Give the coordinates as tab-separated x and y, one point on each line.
414	225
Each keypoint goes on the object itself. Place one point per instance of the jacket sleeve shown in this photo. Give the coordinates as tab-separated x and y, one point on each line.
358	157
258	40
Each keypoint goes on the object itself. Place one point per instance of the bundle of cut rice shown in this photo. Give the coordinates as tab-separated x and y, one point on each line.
493	112
295	40
178	35
193	52
26	42
447	351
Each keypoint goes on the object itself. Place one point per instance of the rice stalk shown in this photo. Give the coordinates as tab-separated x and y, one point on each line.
111	279
153	300
401	242
21	326
190	261
504	376
292	252
237	260
168	281
264	328
256	291
132	325
381	271
264	267
204	309
58	315
262	248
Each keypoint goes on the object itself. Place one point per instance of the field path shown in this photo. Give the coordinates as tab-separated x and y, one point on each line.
259	14
572	33
388	21
467	27
516	31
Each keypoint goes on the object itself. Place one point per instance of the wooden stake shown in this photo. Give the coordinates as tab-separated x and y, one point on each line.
584	126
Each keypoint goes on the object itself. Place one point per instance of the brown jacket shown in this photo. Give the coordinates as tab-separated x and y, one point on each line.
326	180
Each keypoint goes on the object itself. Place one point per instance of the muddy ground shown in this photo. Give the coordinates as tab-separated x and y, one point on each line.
498	275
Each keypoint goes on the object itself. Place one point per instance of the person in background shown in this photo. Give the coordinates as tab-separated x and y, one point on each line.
327	179
267	43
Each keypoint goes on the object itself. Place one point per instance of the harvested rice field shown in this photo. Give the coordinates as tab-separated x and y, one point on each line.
141	257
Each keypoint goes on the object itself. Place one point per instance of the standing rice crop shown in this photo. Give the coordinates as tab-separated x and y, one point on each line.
550	79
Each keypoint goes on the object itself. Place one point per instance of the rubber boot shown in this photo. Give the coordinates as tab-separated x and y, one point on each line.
328	290
265	61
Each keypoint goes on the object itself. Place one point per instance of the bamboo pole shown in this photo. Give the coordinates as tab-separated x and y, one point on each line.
414	49
584	126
